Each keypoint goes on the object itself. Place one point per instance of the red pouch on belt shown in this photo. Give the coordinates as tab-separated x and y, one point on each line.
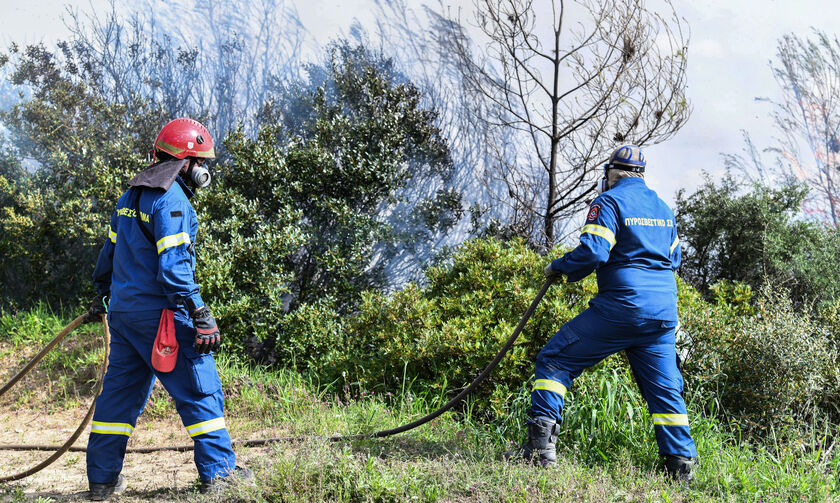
165	348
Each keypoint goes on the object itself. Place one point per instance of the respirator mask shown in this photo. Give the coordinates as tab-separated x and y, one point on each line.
198	174
603	183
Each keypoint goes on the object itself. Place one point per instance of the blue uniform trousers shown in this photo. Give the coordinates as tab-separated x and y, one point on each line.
194	385
649	345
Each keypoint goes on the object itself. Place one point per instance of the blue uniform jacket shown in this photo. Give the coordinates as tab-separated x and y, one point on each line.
630	239
144	276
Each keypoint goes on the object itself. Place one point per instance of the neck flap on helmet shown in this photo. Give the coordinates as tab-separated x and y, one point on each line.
159	176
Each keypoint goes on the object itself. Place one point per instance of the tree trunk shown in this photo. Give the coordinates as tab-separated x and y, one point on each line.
550	216
552	195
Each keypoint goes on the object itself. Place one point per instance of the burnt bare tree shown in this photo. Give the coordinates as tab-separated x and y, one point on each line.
808	116
559	85
749	164
217	60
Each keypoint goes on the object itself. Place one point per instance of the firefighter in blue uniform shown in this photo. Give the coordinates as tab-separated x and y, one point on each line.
630	240
146	265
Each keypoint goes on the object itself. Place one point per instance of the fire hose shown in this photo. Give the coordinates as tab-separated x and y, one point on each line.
60	450
68	445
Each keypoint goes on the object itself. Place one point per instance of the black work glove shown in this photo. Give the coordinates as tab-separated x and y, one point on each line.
98	307
207	336
551	273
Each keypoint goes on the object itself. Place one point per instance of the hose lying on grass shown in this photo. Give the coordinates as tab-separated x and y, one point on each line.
67	446
69	442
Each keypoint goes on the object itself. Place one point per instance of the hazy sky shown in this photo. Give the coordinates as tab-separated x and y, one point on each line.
732	42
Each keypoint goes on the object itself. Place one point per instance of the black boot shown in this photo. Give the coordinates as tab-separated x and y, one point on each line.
239	474
101	492
680	468
540	449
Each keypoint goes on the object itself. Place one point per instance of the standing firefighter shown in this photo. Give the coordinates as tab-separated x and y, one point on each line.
147	269
630	239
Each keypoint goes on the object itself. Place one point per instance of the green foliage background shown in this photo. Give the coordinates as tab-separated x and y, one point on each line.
756	235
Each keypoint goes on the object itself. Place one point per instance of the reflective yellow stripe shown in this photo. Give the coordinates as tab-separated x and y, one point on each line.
674	245
112	235
206	426
172	149
549	385
173	240
600	230
111	428
670	419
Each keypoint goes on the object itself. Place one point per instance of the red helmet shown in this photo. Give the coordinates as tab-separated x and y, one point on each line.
185	138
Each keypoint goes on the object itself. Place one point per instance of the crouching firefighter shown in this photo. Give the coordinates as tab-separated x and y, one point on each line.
160	326
630	240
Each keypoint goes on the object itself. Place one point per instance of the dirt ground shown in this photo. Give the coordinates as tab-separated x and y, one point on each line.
161	476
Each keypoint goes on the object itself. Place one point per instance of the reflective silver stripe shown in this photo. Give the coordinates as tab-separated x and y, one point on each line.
670	419
600	230
549	385
173	240
675	243
112	235
206	426
111	428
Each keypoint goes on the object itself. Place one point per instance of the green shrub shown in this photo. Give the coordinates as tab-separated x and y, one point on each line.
248	233
829	315
361	157
776	369
757	360
54	218
307	337
441	335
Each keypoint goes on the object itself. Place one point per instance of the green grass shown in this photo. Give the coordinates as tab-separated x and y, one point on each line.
606	449
67	374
